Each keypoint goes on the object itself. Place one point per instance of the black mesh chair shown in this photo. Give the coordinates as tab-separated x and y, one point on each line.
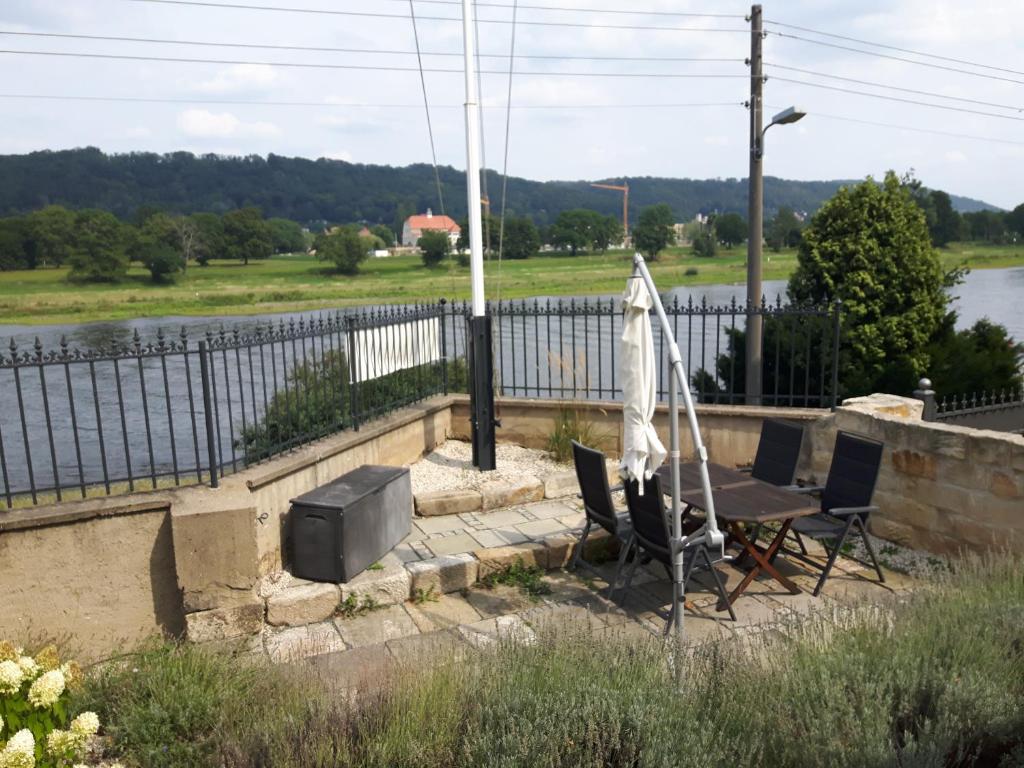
651	536
598	507
845	504
778	452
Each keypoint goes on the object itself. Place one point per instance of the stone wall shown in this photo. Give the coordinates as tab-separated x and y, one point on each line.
730	432
942	488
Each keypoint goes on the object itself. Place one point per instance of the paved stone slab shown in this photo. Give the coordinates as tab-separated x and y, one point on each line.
536	529
445	574
304	604
550	510
376	627
297	643
453	502
487	632
406	553
354	669
443	524
498	601
502	519
429	648
384	587
446	612
452	545
574	521
225	623
564	618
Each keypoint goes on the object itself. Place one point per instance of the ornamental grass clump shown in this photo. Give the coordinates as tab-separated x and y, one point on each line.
36	727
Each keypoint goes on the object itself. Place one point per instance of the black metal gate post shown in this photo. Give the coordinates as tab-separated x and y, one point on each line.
204	374
481	392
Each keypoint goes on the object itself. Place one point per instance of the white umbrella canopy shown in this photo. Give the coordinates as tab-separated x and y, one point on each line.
642	450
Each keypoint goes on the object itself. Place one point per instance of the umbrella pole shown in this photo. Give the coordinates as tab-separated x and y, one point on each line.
678	592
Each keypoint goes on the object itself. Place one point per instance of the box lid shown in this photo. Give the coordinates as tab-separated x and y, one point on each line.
350	487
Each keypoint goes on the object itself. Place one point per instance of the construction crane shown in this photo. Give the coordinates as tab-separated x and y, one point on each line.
624	189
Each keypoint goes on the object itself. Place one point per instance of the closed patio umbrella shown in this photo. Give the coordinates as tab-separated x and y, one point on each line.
642	450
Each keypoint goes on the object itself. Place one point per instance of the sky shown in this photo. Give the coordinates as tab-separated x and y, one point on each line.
567	123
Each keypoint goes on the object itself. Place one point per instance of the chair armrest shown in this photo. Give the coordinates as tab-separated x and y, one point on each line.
617	488
847	511
745	470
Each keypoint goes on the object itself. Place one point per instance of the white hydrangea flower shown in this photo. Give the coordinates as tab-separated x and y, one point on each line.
1	723
46	689
10	677
20	751
86	724
28	666
62	743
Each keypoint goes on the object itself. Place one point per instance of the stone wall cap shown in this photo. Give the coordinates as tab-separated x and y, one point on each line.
64	512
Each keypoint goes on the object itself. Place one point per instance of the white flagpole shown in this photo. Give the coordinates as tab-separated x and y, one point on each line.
476	246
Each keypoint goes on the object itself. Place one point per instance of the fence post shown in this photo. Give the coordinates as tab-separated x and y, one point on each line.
211	447
444	350
353	383
836	325
926	394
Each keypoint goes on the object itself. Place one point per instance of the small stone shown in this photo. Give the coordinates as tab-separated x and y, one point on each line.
561	484
508	493
225	623
443	574
560	549
384	587
500	558
305	604
434	503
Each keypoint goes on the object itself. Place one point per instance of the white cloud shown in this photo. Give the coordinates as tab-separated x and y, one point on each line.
240	78
338	154
955	156
201	123
717	141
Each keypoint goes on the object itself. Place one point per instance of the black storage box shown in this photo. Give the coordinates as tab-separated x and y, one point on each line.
341	528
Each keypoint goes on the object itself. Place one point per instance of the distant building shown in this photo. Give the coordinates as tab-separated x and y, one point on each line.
417	224
365	232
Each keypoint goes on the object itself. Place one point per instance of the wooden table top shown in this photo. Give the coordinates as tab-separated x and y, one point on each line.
739	497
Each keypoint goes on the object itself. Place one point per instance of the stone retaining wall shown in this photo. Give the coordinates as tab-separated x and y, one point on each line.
942	488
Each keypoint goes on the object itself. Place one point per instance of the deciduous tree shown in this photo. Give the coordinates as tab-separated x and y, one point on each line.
98	253
731	229
434	245
247	235
653	232
345	248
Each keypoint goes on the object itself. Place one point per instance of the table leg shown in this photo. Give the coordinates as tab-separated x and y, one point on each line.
762	561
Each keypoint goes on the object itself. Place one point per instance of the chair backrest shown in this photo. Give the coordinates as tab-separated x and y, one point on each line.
778	452
854	472
593	479
647	513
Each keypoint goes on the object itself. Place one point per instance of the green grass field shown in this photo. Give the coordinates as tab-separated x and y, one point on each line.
296	282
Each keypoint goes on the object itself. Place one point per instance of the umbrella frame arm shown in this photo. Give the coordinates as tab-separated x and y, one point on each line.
678	379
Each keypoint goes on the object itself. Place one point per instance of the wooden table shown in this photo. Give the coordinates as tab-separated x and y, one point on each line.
741	500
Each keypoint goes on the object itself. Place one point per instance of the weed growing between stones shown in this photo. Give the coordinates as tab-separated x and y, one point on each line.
429	595
353	606
529	579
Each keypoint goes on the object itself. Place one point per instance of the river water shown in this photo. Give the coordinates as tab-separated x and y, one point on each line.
140	439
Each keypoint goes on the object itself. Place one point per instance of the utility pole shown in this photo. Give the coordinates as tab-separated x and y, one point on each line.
480	350
755	214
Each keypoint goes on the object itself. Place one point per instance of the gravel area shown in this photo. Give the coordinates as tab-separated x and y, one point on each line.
451	466
912	562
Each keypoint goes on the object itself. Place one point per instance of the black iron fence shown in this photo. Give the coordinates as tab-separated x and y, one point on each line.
178	409
1000	411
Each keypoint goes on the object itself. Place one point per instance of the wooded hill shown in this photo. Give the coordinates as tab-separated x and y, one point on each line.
314	191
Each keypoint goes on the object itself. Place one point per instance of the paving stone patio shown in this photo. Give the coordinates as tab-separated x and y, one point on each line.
348	648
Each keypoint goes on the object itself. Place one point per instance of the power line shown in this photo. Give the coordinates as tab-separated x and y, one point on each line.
895	87
357	105
899	99
860	121
374	14
897	48
930	65
508	133
363	67
389	52
426	108
638	12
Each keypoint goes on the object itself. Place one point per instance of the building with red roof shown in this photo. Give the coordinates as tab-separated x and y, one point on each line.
417	224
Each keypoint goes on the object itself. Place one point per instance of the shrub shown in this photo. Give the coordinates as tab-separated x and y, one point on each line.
434	246
36	728
162	261
345	248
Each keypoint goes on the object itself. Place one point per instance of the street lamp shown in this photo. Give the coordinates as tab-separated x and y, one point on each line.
755	236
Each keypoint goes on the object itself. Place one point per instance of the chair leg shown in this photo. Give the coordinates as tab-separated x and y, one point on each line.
832	555
630	571
869	548
723	596
671	618
579	547
623	557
